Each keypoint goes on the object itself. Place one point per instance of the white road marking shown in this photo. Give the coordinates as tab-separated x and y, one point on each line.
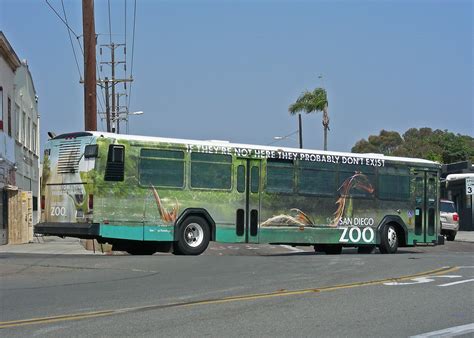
291	248
449	332
459	282
421	280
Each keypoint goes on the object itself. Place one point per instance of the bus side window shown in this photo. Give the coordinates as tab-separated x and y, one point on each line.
114	170
161	168
280	176
394	183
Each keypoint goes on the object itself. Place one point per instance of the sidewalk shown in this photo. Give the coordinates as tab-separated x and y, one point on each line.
465	236
50	245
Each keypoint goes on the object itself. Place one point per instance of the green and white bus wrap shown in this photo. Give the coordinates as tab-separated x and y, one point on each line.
147	194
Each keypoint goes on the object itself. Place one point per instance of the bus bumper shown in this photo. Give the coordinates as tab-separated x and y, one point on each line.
79	230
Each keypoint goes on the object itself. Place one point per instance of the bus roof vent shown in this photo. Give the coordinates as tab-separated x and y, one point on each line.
69	156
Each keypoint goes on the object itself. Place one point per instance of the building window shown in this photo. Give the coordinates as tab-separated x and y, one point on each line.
23	129
9	112
33	138
16	112
28	134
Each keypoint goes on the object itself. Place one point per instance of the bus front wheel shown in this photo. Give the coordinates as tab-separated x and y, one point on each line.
388	239
193	237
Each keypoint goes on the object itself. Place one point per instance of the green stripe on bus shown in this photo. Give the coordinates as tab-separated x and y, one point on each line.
132	232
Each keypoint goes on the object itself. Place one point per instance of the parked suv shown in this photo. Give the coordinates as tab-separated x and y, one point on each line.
449	219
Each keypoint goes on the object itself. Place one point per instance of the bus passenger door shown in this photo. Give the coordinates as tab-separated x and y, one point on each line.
426	195
248	214
432	212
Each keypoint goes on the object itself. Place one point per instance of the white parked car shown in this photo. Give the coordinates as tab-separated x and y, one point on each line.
449	219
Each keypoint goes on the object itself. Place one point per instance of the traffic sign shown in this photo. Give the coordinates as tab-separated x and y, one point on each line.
470	186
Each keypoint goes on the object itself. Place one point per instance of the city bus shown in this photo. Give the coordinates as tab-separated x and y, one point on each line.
150	194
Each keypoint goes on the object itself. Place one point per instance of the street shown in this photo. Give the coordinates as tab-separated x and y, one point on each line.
235	290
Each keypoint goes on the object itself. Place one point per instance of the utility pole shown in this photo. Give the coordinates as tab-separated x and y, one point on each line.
300	130
107	106
113	111
117	116
114	108
90	91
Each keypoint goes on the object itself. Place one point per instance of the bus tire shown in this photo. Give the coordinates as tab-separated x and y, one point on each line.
388	239
366	249
193	236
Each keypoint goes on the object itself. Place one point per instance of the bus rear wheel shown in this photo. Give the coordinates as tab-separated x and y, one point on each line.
388	239
193	237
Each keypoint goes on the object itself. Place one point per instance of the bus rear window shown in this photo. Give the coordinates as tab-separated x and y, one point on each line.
115	168
91	150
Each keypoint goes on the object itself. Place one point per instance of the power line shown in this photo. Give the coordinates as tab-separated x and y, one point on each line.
70	30
59	16
70	40
100	80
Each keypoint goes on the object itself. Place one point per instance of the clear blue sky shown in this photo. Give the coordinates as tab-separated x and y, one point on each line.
229	69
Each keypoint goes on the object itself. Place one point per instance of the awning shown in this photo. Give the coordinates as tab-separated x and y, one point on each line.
456	177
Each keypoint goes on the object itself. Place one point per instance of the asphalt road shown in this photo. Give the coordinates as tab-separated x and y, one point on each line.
237	290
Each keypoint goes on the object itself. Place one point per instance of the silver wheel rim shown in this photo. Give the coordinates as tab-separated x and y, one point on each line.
193	235
392	237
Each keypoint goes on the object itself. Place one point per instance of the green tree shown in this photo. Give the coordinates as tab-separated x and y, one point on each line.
435	145
387	143
310	102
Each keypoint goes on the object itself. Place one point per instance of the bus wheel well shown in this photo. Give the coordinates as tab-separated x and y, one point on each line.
198	212
397	222
402	241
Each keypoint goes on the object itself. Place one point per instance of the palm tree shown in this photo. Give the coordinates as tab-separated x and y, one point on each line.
310	102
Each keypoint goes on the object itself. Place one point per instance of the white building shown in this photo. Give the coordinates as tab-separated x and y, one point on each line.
19	133
25	130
